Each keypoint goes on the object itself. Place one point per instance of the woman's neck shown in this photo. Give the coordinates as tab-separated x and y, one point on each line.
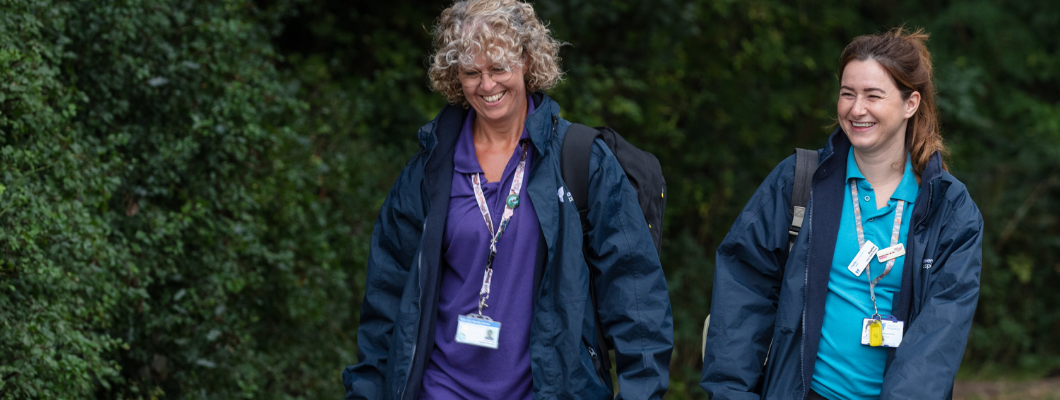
495	140
503	134
880	169
883	169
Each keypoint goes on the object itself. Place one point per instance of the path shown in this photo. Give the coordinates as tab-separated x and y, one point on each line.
1045	389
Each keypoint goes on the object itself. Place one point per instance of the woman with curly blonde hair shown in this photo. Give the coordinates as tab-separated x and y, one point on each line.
478	276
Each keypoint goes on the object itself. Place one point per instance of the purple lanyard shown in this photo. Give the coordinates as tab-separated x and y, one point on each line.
895	231
509	209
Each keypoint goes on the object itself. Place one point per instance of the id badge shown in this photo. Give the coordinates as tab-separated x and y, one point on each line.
478	331
883	332
891	253
861	260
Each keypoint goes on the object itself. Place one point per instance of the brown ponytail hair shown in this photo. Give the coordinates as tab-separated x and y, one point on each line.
905	57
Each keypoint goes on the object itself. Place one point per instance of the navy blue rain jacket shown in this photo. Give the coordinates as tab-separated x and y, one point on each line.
763	294
396	332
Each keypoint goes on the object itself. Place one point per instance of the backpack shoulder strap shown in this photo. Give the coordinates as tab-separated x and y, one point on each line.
805	166
574	163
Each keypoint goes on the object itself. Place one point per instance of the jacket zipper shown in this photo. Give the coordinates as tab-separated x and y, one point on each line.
419	264
596	361
415	343
802	343
805	288
805	292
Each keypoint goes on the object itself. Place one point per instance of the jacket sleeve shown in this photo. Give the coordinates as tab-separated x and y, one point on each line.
747	277
633	301
926	362
395	239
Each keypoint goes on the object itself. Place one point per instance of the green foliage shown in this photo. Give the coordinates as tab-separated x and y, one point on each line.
56	267
187	189
164	230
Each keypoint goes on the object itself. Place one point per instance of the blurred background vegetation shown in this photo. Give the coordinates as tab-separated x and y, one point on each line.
187	188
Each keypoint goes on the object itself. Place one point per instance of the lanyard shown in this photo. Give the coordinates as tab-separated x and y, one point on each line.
895	231
509	209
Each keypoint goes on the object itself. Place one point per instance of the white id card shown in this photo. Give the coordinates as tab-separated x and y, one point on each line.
891	253
478	331
892	331
860	261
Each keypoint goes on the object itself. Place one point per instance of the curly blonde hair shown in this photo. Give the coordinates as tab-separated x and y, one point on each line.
509	35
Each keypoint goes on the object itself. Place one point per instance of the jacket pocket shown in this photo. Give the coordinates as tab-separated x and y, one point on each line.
783	368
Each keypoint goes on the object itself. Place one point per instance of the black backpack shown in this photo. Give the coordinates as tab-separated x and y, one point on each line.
644	173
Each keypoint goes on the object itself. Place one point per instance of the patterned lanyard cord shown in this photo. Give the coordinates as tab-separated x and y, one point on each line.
511	202
895	231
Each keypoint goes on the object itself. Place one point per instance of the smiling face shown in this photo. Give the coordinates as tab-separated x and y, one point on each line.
871	109
497	95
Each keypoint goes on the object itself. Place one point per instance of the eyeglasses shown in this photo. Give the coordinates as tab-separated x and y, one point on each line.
472	78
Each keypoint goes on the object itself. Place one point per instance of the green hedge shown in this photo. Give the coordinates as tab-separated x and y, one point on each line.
164	230
57	265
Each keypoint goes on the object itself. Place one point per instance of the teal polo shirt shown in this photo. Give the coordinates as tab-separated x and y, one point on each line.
845	368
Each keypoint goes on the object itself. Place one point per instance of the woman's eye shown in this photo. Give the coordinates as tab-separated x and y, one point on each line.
471	74
497	70
846	94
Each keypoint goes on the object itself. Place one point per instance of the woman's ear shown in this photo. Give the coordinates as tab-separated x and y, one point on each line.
912	104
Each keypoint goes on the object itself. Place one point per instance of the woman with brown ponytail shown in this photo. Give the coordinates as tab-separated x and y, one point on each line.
876	296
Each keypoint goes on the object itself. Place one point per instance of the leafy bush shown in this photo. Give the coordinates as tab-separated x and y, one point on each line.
57	271
165	232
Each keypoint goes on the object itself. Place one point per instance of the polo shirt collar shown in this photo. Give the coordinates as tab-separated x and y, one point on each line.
464	159
907	189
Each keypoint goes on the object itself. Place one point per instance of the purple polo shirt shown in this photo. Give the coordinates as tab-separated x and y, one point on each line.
462	371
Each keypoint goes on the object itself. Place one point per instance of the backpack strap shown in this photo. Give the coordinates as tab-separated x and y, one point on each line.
574	165
574	162
805	166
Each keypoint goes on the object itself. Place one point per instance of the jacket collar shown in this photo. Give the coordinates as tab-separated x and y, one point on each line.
541	121
933	183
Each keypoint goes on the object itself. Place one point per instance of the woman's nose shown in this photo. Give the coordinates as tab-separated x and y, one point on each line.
859	106
488	82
